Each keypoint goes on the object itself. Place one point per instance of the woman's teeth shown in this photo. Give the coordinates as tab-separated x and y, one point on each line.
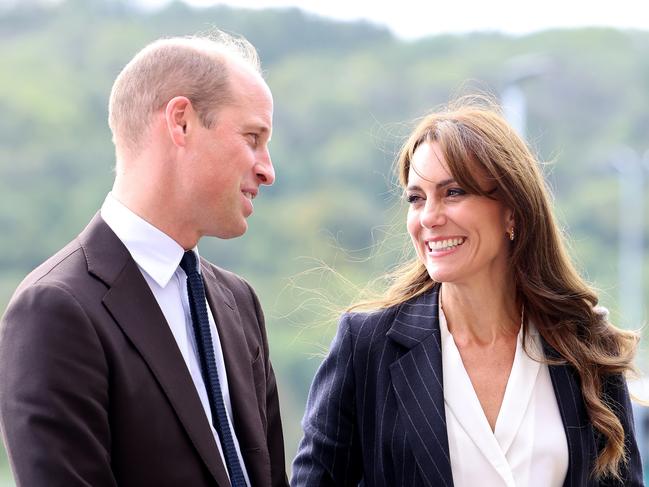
447	244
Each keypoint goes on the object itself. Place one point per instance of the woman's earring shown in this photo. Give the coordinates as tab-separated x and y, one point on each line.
511	234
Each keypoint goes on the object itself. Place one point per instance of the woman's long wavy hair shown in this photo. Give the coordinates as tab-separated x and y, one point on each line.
475	139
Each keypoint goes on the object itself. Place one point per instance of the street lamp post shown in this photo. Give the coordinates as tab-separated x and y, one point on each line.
631	175
514	106
631	170
518	70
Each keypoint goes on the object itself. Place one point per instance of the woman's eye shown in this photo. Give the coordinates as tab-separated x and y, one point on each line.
452	192
413	198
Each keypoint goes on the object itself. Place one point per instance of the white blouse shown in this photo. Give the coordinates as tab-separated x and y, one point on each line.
528	447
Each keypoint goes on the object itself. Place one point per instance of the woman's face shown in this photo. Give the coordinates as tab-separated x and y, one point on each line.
459	237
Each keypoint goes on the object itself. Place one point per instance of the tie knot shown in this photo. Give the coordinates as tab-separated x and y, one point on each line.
188	262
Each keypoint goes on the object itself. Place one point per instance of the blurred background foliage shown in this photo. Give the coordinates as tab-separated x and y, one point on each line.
345	96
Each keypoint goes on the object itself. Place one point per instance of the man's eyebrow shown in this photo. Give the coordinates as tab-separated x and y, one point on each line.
258	126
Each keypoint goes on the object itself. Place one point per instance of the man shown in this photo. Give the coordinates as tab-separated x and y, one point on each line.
110	373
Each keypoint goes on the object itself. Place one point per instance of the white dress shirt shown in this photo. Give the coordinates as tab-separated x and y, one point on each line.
158	257
528	447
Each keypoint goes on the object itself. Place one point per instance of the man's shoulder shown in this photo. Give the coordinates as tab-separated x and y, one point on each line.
58	269
60	283
71	268
237	285
224	276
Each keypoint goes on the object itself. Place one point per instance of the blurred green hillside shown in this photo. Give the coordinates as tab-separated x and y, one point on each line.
345	95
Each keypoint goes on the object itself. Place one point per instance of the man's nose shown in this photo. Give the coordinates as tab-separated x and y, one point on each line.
265	170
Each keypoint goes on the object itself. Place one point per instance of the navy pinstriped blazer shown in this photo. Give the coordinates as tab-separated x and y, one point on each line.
375	414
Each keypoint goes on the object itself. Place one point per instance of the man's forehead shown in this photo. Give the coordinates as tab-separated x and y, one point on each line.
249	90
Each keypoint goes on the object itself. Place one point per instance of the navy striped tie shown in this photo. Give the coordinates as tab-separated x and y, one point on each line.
201	324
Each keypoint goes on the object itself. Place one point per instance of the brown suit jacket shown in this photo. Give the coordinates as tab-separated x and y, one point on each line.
94	390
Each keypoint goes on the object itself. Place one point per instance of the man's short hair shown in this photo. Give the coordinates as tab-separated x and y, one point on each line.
194	67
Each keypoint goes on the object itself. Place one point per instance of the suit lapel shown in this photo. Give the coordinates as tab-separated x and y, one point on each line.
134	308
417	382
579	432
241	383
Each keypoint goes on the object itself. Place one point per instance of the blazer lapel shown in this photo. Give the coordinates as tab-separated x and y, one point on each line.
134	308
418	386
241	383
579	431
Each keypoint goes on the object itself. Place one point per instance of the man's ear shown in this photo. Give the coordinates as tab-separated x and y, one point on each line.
178	114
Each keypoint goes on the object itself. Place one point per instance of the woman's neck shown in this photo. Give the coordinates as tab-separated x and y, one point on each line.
481	315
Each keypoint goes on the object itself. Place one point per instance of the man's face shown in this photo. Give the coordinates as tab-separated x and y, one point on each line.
229	161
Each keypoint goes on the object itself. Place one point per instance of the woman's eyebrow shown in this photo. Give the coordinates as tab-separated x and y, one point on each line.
440	185
446	182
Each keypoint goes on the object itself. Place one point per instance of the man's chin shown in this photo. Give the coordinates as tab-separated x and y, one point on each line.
231	232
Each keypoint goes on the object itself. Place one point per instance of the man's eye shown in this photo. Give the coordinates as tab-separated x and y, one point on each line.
254	139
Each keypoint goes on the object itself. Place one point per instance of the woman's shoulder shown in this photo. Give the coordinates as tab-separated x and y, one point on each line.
379	321
360	322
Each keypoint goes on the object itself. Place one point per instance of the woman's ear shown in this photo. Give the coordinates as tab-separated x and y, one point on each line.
510	224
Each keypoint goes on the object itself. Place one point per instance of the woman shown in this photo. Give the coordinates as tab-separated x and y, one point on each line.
486	362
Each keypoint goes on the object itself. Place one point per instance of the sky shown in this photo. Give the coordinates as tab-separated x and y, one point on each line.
412	19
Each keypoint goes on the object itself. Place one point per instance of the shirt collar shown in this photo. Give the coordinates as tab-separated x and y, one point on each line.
155	252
